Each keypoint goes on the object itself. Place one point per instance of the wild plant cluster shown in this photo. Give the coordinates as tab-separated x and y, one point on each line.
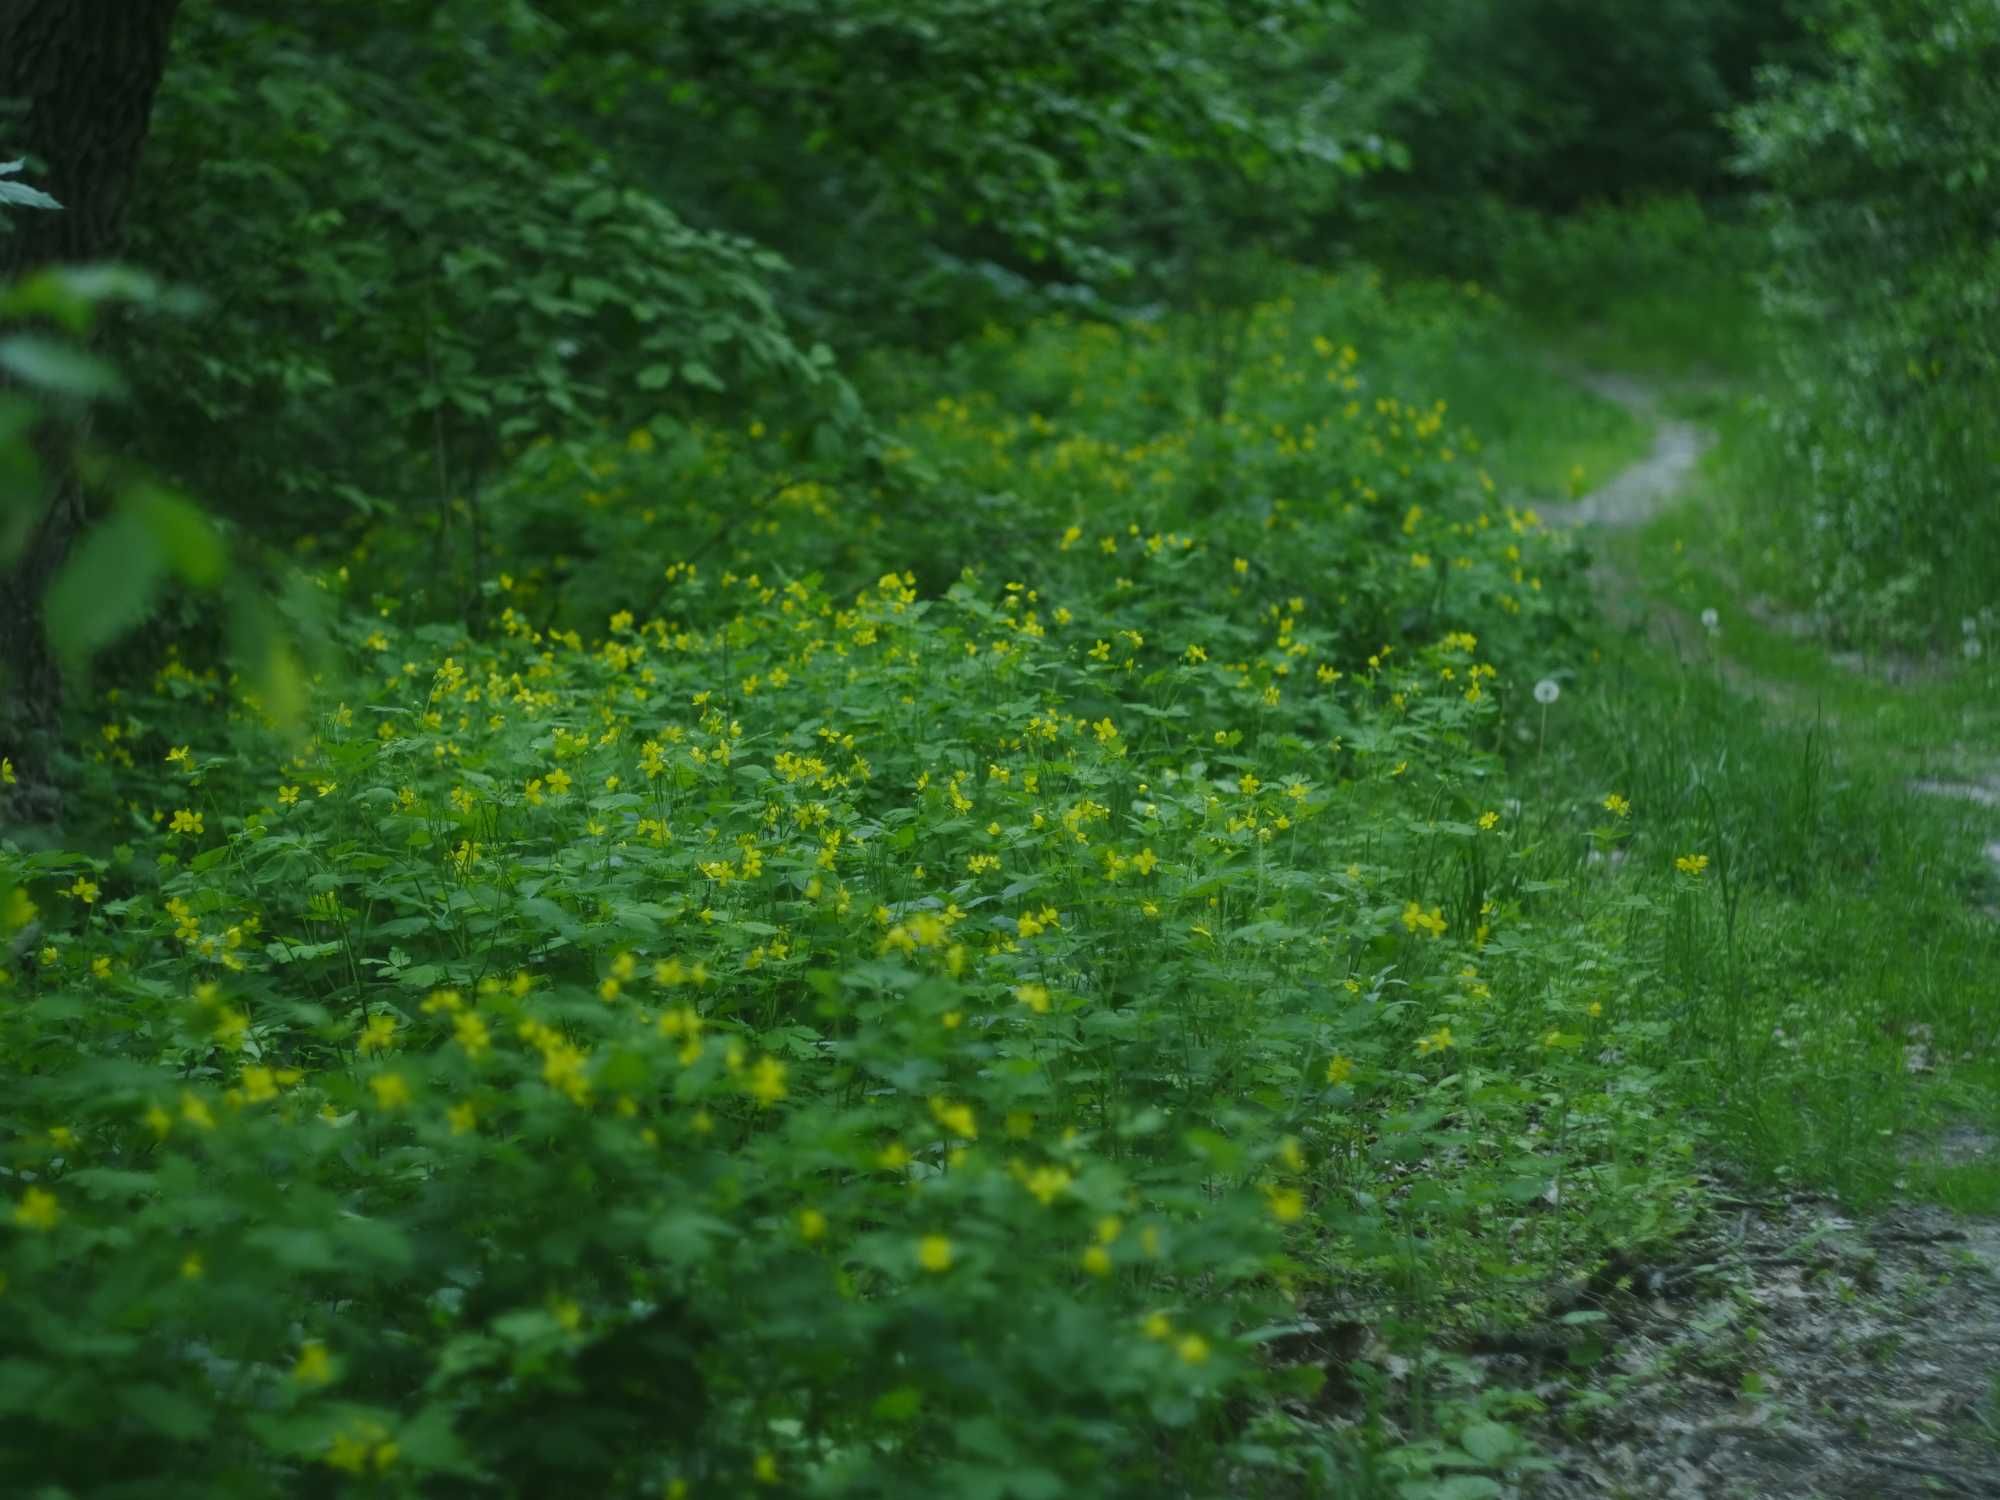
991	1026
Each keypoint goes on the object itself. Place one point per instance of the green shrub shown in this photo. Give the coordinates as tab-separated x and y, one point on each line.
1884	179
1554	105
847	1040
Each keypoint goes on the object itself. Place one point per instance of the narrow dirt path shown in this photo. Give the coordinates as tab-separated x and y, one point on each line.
1798	1354
1639	492
1631	498
1795	1353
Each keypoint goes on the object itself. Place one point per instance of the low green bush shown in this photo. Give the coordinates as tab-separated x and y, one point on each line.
718	1029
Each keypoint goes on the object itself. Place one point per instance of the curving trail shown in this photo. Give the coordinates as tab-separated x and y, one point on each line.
1878	1336
1640	491
1637	493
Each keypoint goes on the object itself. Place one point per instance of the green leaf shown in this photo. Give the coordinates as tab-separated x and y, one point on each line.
58	367
107	587
427	1442
899	1405
167	1412
683	1236
1489	1442
71	295
309	1250
1218	1151
184	535
19	194
1457	1487
22	1384
257	641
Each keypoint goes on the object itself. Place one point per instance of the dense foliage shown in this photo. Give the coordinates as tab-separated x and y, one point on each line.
1884	177
435	228
1555	105
799	780
850	1038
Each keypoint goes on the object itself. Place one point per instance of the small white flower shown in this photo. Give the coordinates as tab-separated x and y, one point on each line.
1968	626
1972	648
1548	690
1711	621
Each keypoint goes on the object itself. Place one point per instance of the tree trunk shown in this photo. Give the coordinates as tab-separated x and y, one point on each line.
77	79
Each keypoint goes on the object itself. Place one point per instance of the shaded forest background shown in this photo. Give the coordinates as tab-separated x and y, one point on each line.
385	247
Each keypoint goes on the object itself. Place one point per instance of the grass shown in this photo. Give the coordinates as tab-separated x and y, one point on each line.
1663	289
1835	1035
1829	1028
1876	954
1728	545
1540	435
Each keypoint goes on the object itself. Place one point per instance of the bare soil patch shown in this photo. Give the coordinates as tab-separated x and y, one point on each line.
1799	1353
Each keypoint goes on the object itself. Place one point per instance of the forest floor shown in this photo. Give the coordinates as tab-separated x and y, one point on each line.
1794	1347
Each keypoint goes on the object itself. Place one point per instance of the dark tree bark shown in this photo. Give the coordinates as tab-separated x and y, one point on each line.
77	80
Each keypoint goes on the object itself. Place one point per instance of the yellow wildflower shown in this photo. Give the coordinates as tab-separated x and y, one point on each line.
379	1035
392	1091
315	1366
38	1210
767	1081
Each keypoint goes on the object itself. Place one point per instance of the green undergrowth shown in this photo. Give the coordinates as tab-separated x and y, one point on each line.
1835	1008
1843	1013
1040	959
1664	288
1928	715
1541	434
